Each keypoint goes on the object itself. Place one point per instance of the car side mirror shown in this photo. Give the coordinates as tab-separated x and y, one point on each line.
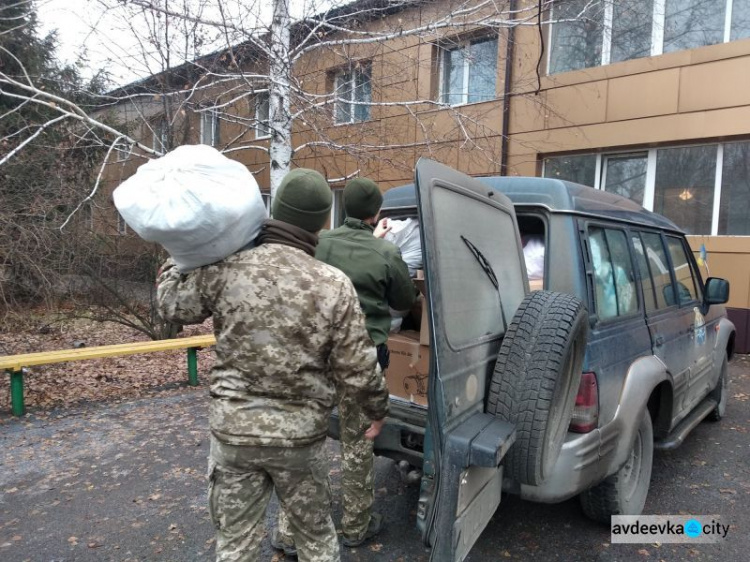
717	290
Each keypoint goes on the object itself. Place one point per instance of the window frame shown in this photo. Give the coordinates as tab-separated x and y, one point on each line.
210	117
160	138
337	207
356	71
442	51
266	197
122	150
658	23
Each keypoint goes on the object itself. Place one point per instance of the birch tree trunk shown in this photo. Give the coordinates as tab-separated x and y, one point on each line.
279	92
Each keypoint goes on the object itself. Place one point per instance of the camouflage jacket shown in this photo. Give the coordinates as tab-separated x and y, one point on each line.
290	335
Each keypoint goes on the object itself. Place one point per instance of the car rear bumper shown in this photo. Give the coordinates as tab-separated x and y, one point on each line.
578	468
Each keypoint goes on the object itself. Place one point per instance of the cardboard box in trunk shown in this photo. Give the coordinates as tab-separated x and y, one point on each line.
408	372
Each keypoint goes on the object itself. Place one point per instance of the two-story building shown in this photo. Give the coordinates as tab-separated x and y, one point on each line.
645	98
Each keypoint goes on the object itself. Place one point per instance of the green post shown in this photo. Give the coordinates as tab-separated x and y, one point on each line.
16	393
193	366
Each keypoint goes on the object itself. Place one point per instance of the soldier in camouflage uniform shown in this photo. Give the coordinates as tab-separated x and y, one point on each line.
290	337
381	279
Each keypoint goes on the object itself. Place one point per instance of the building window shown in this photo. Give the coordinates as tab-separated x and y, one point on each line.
577	38
586	33
353	91
578	169
122	151
740	28
161	138
338	214
262	129
625	175
210	127
684	186
703	189
468	71
693	23
734	211
266	196
632	24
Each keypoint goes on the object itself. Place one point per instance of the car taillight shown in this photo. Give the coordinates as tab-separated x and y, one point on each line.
586	411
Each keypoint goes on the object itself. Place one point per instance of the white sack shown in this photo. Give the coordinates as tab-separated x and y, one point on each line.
405	235
197	203
533	253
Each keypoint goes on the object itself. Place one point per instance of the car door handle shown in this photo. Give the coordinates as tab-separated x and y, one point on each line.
659	341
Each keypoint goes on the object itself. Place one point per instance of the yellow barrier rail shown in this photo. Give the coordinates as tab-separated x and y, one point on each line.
14	365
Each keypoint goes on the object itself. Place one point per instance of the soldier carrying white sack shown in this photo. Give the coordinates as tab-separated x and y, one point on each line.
290	335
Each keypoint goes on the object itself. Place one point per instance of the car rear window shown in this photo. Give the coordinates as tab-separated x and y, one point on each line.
473	307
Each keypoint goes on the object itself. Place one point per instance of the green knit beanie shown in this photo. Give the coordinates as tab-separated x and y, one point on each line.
303	199
362	198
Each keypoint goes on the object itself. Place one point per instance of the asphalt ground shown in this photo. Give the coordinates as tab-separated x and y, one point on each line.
126	482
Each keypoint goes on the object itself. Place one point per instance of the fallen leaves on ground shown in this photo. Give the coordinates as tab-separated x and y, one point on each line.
61	385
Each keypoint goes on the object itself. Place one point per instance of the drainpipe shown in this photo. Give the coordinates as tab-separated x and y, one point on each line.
509	48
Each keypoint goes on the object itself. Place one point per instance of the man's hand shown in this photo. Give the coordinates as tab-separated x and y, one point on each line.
381	229
374	430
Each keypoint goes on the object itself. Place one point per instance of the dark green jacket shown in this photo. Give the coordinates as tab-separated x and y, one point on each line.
376	269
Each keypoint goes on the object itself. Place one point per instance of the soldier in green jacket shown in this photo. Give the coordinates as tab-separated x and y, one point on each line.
290	339
382	280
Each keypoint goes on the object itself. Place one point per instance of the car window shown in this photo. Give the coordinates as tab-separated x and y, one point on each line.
686	286
649	298
658	264
614	280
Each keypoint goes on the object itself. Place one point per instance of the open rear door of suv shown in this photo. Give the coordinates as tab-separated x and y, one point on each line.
475	280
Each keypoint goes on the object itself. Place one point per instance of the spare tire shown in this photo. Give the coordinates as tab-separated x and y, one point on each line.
536	380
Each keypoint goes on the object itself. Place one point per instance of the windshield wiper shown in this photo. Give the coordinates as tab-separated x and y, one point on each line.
487	268
483	263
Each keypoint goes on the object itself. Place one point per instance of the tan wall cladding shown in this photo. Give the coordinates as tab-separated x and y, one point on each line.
643	95
728	257
716	84
662	129
581	104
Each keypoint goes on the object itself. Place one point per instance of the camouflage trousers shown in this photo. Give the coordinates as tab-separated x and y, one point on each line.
357	476
241	480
